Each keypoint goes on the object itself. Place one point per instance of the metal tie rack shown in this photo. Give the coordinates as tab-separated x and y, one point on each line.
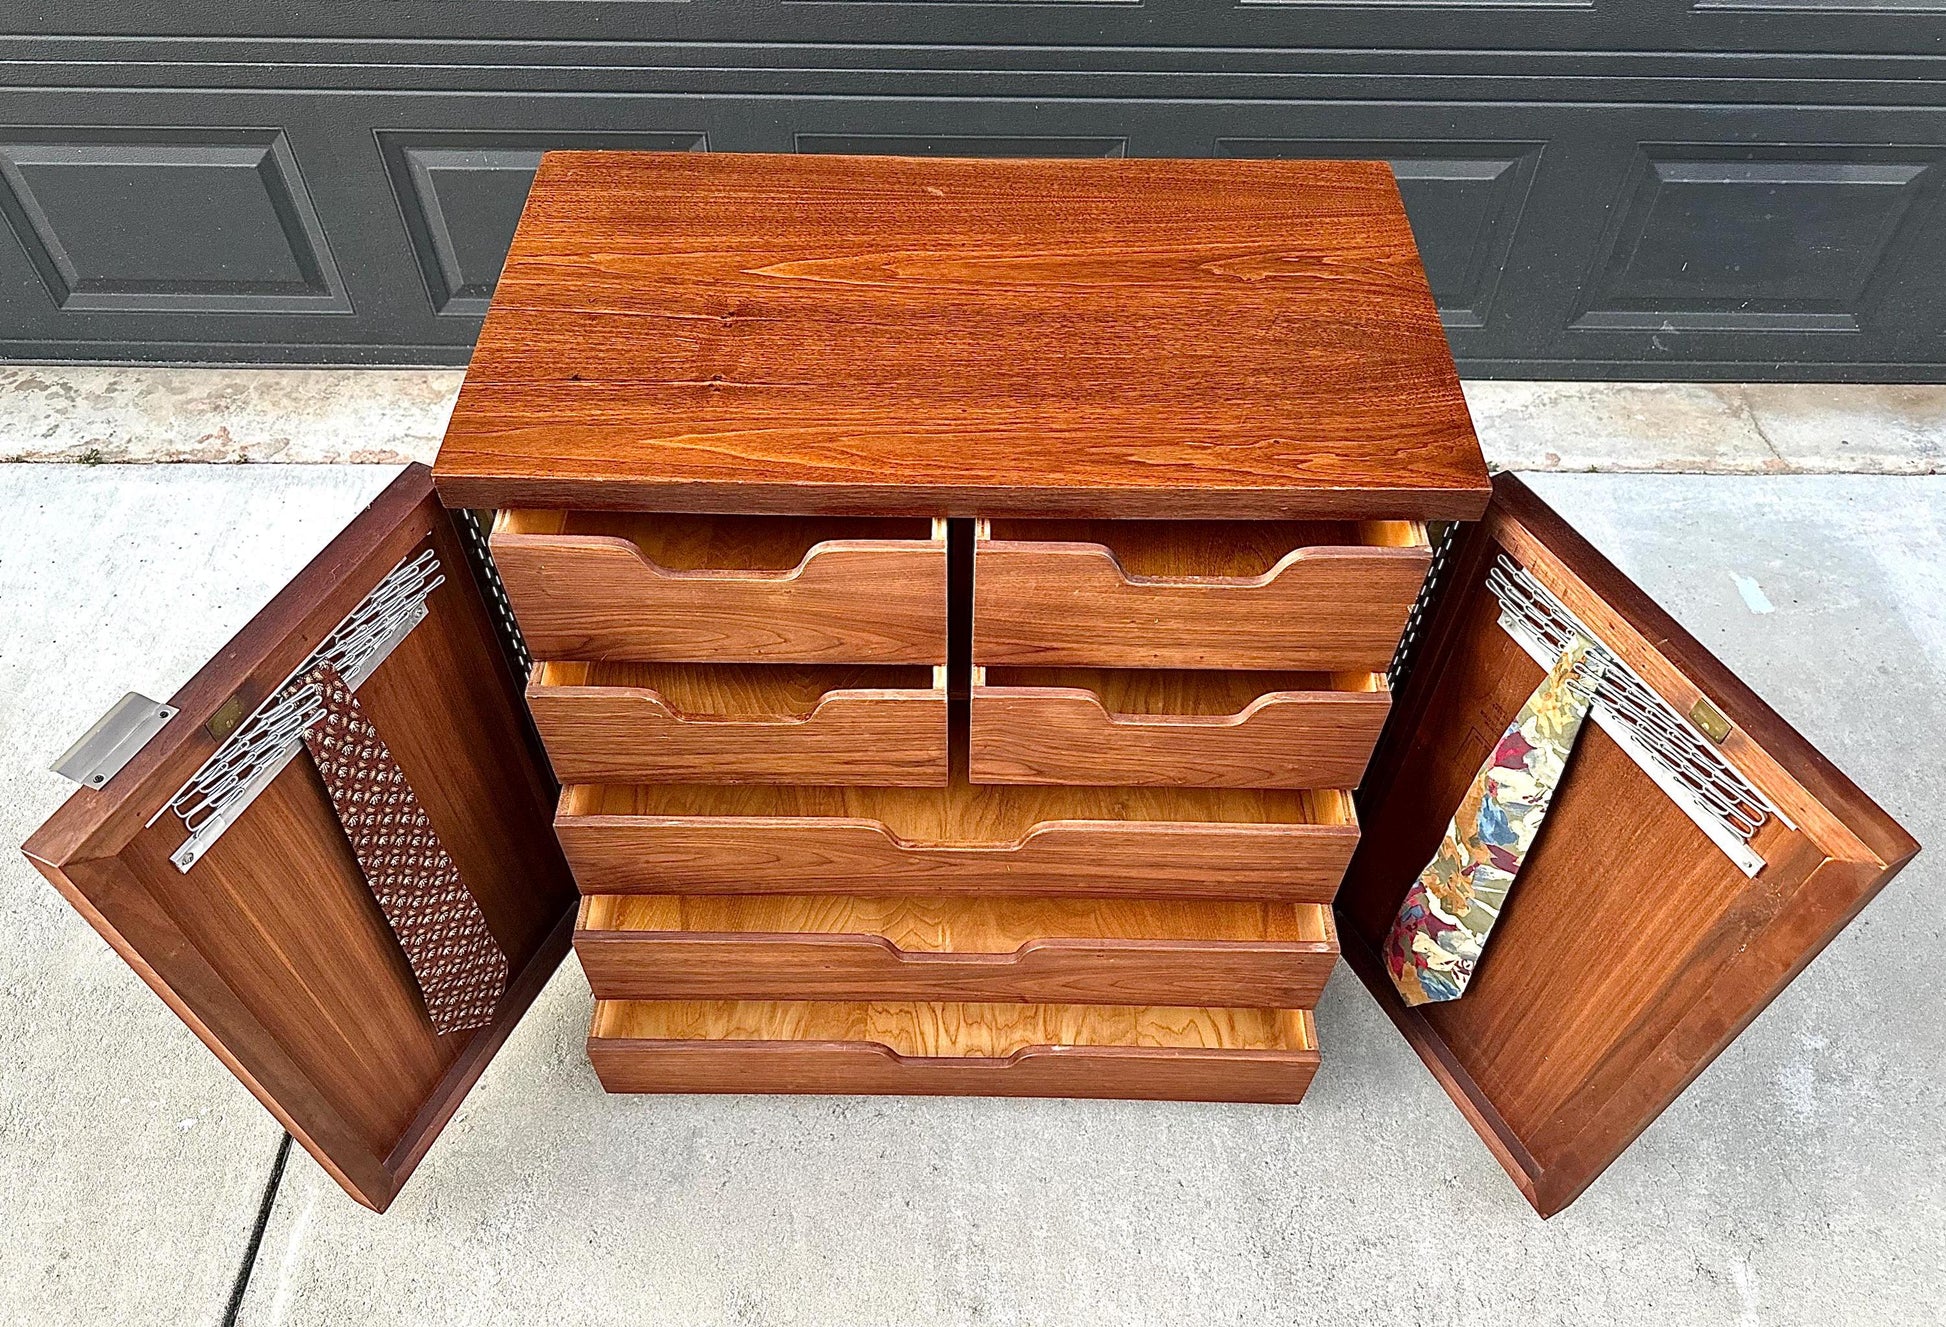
1684	764
272	734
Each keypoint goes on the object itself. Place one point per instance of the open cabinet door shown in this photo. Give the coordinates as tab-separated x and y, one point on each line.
1633	945
270	944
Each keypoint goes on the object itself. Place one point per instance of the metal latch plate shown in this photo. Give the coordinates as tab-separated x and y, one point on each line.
114	740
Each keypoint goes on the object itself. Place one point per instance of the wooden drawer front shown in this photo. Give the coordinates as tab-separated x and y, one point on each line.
1281	844
1311	595
1209	729
1007	1050
742	723
733	589
955	947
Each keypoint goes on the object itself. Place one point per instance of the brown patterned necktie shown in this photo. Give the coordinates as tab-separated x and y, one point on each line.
459	966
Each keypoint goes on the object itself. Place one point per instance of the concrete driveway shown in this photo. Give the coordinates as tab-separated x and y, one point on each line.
1802	1179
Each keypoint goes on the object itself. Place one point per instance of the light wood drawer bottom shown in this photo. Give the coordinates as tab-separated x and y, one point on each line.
953	1049
1053	950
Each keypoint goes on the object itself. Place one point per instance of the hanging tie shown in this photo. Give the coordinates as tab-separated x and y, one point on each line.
1442	927
459	966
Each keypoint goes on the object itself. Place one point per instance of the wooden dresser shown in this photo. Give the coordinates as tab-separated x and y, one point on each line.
961	595
934	617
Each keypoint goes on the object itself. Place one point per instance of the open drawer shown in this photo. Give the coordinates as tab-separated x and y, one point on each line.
955	947
742	723
733	589
1001	1050
1236	843
1200	729
1311	595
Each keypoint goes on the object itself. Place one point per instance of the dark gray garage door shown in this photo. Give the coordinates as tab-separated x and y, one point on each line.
1636	188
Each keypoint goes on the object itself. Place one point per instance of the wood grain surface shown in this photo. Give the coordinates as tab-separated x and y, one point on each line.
1192	594
1201	693
727	544
742	723
591	586
1197	550
1631	950
1206	729
1284	844
955	947
960	923
1157	1053
272	948
741	332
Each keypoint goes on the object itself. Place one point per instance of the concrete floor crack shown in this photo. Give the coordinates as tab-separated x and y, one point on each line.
249	1263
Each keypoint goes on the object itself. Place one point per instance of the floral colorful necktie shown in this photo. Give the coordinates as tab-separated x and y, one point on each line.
1442	927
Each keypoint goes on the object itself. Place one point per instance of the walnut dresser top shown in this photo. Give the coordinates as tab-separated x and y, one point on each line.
747	333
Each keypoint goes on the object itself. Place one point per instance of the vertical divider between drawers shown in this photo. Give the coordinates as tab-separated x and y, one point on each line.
959	610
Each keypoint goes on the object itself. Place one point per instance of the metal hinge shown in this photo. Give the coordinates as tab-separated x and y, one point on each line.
1444	539
479	555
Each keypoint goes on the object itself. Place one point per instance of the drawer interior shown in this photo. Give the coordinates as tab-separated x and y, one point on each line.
952	1029
963	812
1199	550
740	692
685	542
1206	691
961	924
